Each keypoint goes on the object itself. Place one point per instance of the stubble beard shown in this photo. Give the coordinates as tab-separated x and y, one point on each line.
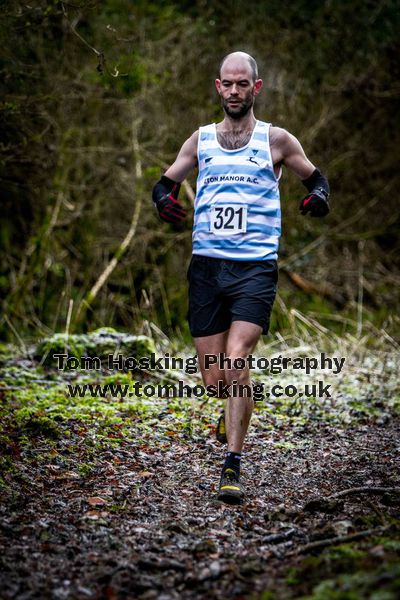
241	110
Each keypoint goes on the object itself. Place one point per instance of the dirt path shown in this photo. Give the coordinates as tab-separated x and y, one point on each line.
145	523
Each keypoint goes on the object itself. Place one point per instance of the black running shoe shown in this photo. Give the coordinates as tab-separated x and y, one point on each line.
230	489
221	431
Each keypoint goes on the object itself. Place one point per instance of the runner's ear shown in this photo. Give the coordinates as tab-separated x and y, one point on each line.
257	86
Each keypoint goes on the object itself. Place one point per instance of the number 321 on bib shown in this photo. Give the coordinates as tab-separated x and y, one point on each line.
228	220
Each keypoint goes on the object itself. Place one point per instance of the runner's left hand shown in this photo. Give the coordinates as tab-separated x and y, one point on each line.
316	203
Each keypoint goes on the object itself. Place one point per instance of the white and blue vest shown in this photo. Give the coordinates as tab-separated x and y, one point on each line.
237	212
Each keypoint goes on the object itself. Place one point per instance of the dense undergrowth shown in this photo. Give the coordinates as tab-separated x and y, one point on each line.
99	97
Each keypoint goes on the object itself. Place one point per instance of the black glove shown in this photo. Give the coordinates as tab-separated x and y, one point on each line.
170	210
315	203
165	194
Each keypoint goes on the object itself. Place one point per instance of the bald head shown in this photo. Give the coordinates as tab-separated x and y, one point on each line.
237	59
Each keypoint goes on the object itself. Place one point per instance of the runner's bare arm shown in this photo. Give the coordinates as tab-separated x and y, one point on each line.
287	149
185	161
166	190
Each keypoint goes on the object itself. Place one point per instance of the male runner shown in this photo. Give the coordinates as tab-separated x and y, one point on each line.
233	270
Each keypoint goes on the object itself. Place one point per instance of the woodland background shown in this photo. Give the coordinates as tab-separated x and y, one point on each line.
112	497
97	98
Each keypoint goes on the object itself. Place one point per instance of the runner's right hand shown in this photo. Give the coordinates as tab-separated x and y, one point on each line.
165	194
170	209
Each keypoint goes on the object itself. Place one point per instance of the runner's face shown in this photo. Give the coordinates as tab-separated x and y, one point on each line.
236	89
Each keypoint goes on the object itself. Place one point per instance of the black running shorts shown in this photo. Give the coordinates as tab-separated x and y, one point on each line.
222	291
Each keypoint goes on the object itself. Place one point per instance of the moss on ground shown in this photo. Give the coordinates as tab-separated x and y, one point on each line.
357	571
38	405
98	344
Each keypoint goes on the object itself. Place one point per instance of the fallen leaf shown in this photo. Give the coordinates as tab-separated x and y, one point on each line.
145	474
96	501
91	514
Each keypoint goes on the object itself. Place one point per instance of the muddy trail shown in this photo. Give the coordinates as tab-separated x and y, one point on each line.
122	504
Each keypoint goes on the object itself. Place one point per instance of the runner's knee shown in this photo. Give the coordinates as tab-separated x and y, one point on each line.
238	370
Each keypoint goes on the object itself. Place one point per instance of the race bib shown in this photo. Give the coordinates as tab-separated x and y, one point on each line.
228	220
